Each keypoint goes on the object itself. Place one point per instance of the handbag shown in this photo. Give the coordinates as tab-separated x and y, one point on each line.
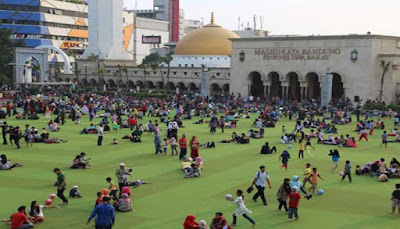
250	189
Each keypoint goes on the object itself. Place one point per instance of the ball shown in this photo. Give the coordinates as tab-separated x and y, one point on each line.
341	173
290	146
228	197
320	192
52	196
49	202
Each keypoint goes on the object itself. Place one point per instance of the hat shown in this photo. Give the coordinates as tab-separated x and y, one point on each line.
56	169
122	165
75	186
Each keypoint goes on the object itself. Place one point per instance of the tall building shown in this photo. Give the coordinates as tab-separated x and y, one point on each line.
168	10
59	23
191	25
105	30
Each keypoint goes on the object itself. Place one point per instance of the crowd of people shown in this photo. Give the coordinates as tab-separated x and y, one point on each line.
218	113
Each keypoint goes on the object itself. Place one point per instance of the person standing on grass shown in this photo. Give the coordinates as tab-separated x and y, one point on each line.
283	194
222	123
307	174
347	171
183	146
4	130
194	147
314	179
301	148
61	184
384	139
119	173
241	209
396	199
17	134
363	134
105	215
371	129
100	133
260	180
294	199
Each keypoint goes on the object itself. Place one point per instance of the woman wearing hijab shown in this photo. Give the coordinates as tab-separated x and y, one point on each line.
190	222
194	145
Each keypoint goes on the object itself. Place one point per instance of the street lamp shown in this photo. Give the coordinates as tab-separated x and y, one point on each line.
354	55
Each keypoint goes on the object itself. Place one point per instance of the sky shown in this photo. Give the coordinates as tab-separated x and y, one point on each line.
300	17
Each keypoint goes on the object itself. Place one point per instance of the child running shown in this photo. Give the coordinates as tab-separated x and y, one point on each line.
314	179
285	156
307	174
241	209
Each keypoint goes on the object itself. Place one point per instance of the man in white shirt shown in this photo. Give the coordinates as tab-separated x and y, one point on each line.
100	133
260	180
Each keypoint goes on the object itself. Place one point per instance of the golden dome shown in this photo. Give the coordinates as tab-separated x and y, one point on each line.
211	39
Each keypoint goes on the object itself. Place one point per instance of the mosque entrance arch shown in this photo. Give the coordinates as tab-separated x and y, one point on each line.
337	86
64	56
314	88
256	84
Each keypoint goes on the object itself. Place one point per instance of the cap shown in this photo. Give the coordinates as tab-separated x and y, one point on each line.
56	169
75	186
122	164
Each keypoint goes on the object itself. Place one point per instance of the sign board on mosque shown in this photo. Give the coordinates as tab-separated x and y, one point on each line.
287	54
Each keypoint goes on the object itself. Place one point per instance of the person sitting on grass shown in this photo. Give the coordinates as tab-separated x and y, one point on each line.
77	163
6	164
124	204
36	212
114	142
244	139
74	192
266	149
19	220
193	172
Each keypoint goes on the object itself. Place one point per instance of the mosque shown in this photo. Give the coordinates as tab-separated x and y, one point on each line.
289	66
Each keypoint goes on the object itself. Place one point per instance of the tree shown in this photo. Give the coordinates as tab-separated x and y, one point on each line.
167	60
386	66
92	57
7	45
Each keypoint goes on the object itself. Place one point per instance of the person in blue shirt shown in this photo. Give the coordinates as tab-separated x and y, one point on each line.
105	215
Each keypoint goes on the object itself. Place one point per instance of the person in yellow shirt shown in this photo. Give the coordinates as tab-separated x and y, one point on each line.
113	189
301	148
307	173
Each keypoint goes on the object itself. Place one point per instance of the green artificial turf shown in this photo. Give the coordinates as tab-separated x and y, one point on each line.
363	204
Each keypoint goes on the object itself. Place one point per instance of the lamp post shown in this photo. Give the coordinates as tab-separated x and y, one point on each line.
86	83
354	55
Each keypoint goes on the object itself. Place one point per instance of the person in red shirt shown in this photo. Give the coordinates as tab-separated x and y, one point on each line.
19	220
182	146
294	198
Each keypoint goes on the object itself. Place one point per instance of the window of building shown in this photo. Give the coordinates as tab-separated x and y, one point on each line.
174	73
185	73
217	73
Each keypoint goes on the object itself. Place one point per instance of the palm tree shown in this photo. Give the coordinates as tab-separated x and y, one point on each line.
167	60
386	66
100	72
144	66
